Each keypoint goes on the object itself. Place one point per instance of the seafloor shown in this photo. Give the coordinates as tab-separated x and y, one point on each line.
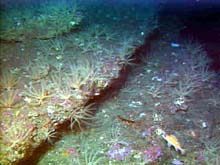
104	83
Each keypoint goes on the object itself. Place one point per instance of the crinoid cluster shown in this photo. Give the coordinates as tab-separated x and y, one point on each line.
192	73
75	83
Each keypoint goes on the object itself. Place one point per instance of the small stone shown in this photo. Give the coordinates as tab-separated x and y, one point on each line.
174	45
142	114
204	125
157	104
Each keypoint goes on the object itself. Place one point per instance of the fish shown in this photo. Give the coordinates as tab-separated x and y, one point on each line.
172	141
128	122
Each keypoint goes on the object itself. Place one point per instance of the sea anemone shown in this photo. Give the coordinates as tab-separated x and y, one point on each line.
81	115
8	80
8	99
38	69
79	74
36	95
50	136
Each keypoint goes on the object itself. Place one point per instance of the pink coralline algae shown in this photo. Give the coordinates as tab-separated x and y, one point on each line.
200	158
151	154
72	151
119	151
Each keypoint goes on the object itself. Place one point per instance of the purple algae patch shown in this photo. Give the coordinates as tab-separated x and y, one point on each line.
119	151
